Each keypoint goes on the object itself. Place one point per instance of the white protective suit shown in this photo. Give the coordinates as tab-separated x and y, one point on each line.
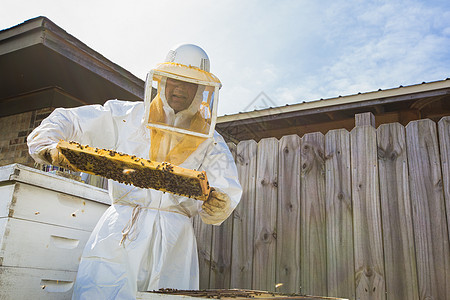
160	250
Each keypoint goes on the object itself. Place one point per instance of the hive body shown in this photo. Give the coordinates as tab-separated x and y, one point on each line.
137	171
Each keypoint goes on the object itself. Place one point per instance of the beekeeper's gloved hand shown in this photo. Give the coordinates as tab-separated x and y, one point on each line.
216	203
54	157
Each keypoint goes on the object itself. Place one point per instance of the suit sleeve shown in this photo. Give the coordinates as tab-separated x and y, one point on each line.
222	175
85	124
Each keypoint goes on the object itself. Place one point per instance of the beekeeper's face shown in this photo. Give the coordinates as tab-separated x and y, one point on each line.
179	94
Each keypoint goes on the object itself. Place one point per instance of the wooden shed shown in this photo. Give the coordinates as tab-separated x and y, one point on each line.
402	104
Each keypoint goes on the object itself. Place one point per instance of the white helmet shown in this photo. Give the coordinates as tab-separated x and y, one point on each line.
189	55
189	64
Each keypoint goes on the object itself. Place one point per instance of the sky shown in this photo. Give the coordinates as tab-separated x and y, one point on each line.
290	51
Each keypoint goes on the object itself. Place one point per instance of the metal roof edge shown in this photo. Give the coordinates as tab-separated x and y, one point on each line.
360	97
23	27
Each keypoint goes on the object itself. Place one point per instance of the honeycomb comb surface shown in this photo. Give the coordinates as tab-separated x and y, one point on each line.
136	171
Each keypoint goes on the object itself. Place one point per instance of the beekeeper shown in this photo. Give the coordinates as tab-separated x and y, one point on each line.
145	240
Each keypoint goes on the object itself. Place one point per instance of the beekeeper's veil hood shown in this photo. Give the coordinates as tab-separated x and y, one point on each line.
182	110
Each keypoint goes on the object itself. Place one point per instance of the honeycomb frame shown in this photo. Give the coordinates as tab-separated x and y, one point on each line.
133	170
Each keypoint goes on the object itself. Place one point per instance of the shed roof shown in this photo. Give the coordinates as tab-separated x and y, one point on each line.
402	104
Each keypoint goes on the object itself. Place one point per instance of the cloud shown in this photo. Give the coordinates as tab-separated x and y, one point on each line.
380	46
292	50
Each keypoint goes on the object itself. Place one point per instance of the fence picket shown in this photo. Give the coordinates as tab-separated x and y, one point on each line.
220	275
430	226
400	267
312	211
340	266
265	215
244	217
203	233
368	242
288	223
444	138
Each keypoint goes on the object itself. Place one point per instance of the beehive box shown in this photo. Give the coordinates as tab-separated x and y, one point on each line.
45	221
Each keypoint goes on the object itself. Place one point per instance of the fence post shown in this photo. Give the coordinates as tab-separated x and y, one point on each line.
368	241
365	119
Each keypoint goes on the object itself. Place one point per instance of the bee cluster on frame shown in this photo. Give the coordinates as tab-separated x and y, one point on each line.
136	171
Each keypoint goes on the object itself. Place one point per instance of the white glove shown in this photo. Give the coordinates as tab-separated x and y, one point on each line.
54	157
217	202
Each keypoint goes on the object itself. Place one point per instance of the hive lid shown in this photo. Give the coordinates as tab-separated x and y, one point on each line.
225	294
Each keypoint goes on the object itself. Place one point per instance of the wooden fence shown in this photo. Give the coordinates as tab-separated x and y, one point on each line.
360	215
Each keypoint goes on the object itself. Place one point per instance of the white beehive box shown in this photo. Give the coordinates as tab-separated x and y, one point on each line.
45	221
